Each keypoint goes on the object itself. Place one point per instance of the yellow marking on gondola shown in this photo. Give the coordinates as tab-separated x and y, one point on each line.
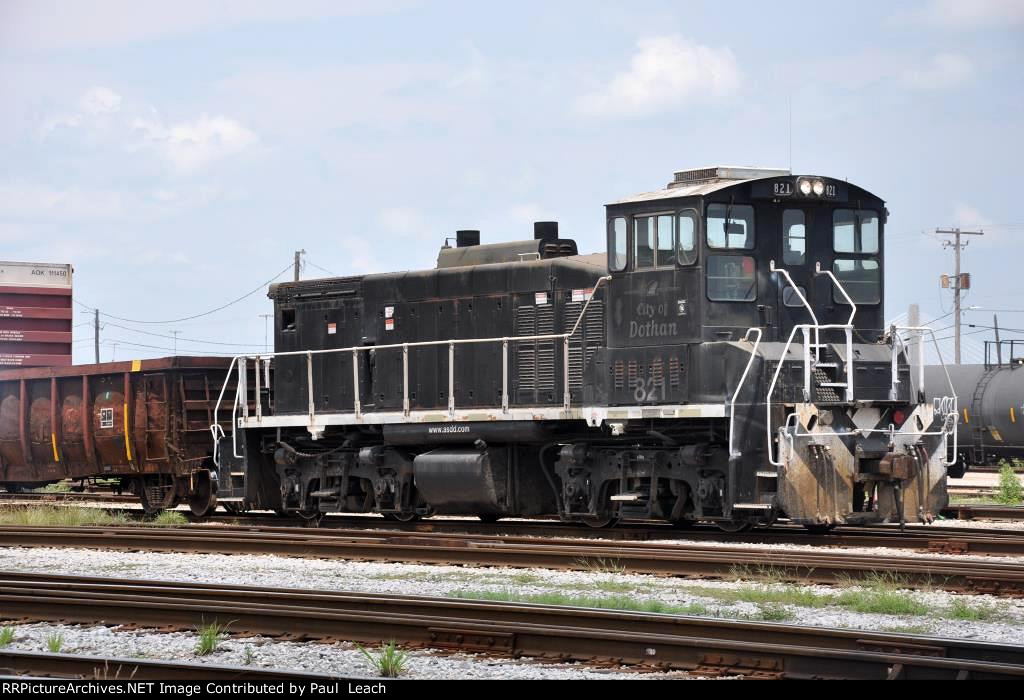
136	365
53	441
966	419
127	445
1013	416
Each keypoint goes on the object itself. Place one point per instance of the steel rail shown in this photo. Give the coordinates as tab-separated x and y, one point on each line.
101	668
672	559
705	646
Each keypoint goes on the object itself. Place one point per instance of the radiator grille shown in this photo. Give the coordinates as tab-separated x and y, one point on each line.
535	360
584	343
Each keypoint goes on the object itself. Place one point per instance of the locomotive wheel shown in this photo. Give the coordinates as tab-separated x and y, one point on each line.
489	518
234	508
310	518
683	524
402	517
818	529
599	523
733	525
203	499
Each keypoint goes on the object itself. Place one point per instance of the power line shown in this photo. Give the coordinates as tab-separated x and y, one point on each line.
205	313
117	341
187	340
322	269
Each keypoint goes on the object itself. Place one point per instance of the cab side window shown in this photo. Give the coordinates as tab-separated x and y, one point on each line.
653	242
687	227
618	247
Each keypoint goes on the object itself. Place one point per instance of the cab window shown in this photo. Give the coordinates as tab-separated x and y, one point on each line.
617	251
860	277
686	237
732	278
731	226
855	231
794	237
653	241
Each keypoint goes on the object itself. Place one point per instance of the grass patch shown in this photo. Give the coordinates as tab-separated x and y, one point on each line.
883	595
55	642
600	565
210	636
1009	492
525	578
759	573
786	595
627	603
56	487
61	516
614	586
962	610
168	518
6	636
772	613
249	658
389	660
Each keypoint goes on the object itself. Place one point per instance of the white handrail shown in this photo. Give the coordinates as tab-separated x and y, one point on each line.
355	350
743	379
803	299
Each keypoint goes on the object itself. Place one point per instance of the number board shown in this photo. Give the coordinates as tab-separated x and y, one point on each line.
786	189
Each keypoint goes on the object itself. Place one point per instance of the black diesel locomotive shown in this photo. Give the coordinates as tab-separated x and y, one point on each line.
725	361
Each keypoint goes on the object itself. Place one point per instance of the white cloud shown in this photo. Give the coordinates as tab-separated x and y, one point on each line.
974	13
944	70
104	117
665	72
100	100
189	146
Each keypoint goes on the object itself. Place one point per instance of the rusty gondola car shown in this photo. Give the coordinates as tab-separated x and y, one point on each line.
145	423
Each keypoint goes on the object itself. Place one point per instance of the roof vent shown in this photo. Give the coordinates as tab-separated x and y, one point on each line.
464	239
697	176
545	230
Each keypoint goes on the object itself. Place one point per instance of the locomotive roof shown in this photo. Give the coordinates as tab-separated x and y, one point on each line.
700	182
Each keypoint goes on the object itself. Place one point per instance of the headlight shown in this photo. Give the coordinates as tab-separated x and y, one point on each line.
819	187
805	187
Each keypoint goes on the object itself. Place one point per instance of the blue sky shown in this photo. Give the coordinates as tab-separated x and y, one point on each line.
178	153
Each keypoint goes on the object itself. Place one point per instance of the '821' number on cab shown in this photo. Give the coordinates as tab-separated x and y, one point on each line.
783	189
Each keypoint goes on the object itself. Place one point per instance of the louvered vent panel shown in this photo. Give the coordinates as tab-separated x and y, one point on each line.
526	357
620	374
545	348
673	372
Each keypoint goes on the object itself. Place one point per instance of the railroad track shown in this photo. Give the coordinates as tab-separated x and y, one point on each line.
671	559
968	511
930	538
703	646
68	496
75	666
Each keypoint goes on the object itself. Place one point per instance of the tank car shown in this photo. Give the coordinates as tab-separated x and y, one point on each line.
991	400
143	423
725	360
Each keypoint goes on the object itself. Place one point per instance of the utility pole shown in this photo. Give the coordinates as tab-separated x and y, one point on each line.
175	341
298	262
960	280
96	333
266	333
999	347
